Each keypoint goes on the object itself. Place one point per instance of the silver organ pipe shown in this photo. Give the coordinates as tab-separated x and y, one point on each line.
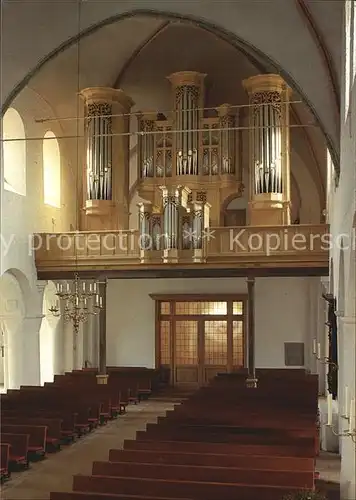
147	146
267	142
99	151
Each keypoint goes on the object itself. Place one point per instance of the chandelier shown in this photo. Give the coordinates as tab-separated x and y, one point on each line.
80	300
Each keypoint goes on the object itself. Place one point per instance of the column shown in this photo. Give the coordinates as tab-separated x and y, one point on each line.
90	336
348	447
145	239
102	378
106	180
30	348
251	381
188	103
270	197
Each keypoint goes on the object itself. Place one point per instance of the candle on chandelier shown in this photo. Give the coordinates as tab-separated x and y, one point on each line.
346	402
84	286
314	346
77	301
68	287
319	351
90	287
95	287
330	409
352	416
101	301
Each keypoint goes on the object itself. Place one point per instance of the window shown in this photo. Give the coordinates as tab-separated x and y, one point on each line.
51	171
14	152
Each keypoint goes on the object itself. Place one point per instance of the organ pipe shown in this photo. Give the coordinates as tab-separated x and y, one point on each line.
188	101
99	151
267	142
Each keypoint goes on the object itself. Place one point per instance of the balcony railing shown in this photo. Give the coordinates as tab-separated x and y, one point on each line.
270	246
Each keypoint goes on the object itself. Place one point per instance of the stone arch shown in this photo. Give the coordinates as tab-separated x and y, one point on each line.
211	22
12	314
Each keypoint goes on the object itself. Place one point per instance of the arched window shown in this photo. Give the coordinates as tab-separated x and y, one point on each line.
14	152
51	171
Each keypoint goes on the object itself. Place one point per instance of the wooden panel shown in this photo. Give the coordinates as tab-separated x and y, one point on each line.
187	375
211	371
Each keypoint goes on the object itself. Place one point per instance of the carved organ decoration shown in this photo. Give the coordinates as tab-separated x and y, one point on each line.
106	168
269	150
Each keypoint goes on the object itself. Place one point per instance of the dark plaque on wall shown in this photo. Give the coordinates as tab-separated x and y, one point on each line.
294	353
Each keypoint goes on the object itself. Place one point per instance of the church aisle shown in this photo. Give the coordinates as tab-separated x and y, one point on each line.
56	472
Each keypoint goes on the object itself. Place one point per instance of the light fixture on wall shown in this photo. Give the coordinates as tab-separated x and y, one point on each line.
349	416
75	297
325	360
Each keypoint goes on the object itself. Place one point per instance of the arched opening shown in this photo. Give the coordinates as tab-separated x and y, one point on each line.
51	170
234	211
14	152
12	313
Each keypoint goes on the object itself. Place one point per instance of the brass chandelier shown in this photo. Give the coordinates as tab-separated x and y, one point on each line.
76	297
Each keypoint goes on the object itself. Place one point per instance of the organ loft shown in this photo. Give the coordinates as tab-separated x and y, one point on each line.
188	162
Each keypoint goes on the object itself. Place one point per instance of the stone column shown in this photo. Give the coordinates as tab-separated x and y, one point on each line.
188	103
106	177
270	196
348	446
251	381
102	378
31	361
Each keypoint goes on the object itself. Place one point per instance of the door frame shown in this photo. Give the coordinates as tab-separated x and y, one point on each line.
171	317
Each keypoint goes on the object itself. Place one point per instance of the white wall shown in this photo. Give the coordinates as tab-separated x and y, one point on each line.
282	315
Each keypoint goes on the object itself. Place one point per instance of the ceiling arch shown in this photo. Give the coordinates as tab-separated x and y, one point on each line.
233	25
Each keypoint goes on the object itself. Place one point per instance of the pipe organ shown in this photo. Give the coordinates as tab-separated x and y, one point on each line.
177	226
106	179
189	148
269	169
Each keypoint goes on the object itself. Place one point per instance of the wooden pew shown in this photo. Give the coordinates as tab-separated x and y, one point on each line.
177	489
4	461
19	444
54	428
193	435
220	448
81	495
37	437
288	478
208	459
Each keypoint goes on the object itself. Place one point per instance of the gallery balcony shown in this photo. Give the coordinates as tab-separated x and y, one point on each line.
294	250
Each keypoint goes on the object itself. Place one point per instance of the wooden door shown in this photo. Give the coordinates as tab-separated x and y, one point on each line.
198	338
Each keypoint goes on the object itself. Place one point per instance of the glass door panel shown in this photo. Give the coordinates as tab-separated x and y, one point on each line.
186	352
215	348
